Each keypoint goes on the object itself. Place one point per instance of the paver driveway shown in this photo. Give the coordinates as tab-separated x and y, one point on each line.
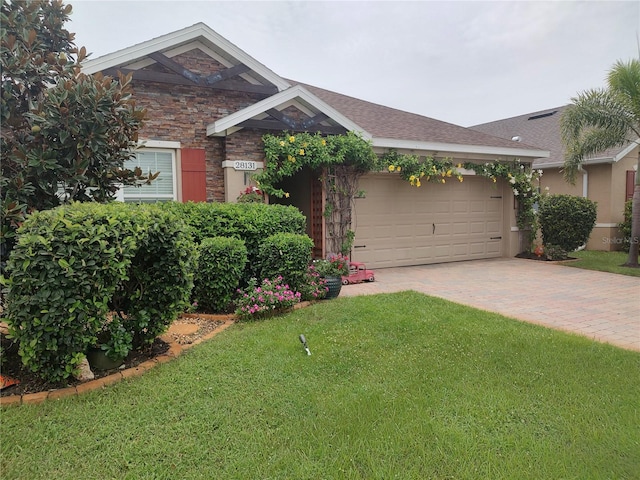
601	306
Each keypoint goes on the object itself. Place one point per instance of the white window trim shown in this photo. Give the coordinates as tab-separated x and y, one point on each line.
158	146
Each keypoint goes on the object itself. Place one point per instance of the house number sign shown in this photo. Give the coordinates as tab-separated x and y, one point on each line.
244	165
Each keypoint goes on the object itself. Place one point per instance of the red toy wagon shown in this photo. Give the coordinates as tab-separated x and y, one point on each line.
358	273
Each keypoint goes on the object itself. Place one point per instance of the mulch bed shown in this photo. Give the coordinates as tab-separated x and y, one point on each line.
30	383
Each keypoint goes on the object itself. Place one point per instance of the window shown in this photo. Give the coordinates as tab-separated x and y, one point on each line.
163	188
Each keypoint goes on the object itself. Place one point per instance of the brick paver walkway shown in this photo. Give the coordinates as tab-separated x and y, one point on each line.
601	306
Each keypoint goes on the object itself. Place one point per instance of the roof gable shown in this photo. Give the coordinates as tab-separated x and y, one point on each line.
200	36
319	115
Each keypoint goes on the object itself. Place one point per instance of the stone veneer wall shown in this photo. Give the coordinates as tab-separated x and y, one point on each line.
181	113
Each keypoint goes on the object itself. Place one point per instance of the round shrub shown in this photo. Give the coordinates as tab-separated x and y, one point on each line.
73	264
566	221
62	274
160	280
221	261
251	222
287	255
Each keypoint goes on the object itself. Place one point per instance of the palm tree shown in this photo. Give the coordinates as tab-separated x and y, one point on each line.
605	118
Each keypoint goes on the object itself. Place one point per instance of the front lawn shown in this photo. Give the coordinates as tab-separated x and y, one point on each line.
603	261
397	386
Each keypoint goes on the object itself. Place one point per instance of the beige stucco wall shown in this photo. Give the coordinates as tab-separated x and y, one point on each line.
606	186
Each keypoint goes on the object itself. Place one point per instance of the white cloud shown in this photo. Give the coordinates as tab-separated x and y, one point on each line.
462	62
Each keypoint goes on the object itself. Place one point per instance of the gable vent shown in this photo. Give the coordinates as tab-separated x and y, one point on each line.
542	115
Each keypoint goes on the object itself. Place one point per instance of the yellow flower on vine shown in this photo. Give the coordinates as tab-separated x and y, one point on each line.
494	179
291	159
281	143
460	178
398	168
443	181
448	173
459	165
391	168
301	151
292	139
418	183
286	194
324	142
412	178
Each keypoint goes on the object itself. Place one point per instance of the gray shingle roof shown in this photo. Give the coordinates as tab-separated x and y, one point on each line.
387	122
540	129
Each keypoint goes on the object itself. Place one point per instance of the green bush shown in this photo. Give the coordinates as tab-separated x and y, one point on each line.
251	222
287	255
161	276
625	226
73	264
221	261
566	221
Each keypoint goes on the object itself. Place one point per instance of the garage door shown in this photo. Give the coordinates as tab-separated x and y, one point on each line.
399	225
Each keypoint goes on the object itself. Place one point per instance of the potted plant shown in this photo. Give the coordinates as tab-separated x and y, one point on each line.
113	344
332	269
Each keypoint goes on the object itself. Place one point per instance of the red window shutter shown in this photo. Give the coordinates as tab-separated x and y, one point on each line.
194	175
631	182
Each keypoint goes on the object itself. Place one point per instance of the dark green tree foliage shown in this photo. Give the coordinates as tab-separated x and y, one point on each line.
287	255
566	221
73	264
65	135
221	262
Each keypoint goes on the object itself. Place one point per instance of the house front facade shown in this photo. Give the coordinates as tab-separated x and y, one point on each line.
607	178
209	104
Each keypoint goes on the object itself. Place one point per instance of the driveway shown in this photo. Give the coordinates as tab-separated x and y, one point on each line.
598	305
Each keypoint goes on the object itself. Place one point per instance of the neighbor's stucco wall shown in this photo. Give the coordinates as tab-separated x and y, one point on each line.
606	186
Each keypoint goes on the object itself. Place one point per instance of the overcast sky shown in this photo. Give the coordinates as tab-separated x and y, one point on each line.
461	62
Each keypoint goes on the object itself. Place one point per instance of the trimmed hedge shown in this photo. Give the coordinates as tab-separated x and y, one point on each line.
251	222
221	262
566	221
287	255
73	264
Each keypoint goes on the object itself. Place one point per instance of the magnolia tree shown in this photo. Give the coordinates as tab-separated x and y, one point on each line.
65	135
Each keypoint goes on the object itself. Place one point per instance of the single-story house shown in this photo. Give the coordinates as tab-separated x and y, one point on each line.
209	104
607	178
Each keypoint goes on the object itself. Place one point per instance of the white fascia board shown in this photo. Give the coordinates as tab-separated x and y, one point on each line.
136	52
220	127
626	151
588	161
457	148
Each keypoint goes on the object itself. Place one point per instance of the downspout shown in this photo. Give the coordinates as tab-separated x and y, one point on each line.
585	194
585	182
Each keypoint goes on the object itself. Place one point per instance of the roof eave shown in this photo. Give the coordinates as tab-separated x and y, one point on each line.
164	42
458	148
220	127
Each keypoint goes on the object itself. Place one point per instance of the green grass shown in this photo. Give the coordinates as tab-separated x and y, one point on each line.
603	261
397	386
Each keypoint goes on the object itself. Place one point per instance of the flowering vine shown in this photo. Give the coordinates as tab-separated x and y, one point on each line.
417	170
339	160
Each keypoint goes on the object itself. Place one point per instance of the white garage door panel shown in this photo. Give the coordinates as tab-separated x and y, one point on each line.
397	224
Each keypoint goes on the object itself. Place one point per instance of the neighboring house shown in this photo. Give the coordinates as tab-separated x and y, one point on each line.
606	178
209	104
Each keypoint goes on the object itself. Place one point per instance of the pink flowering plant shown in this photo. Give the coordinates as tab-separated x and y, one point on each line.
314	286
335	265
270	297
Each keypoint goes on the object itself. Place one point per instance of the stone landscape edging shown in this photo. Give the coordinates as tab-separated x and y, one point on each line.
174	351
